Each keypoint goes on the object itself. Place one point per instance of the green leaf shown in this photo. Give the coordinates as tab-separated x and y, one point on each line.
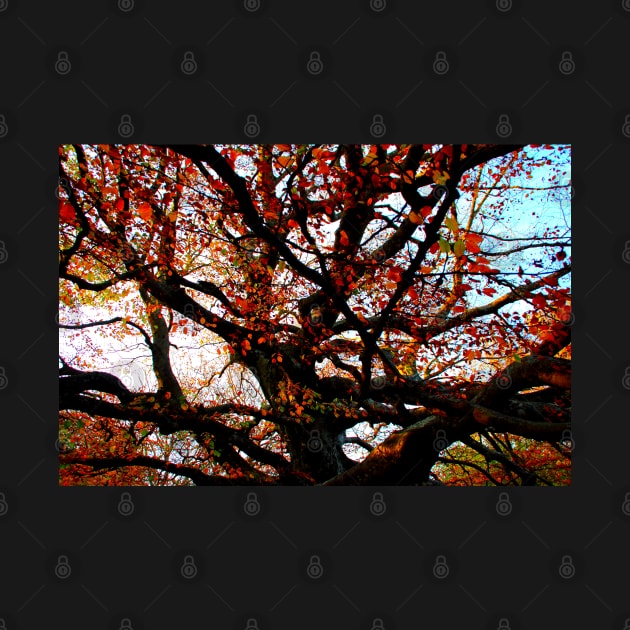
459	248
451	223
444	245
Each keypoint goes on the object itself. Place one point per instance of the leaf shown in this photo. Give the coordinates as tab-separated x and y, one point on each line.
444	246
539	300
119	204
415	218
451	223
472	242
66	212
441	177
459	248
284	160
144	211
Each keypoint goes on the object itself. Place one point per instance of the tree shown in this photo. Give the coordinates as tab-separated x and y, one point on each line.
314	314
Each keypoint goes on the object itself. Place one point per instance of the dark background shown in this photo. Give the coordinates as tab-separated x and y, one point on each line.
71	70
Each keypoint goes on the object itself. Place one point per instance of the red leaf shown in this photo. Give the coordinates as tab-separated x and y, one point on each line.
66	212
472	242
539	301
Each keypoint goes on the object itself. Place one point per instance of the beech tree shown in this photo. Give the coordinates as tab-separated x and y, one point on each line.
314	314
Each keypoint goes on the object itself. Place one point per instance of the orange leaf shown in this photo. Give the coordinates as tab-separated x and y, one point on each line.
472	242
145	212
119	204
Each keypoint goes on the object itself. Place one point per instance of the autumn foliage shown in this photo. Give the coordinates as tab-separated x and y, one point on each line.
315	314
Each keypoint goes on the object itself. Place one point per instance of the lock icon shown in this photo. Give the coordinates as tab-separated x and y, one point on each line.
252	5
314	443
378	624
252	506
625	129
377	506
567	439
62	186
566	65
252	624
440	568
189	568
125	505
189	65
626	624
63	65
62	568
3	625
504	5
378	5
315	316
4	254
125	624
567	568
378	382
189	311
504	127
440	63
377	128
626	378
315	65
504	506
125	128
504	624
4	380
251	128
625	255
625	506
315	570
440	442
4	128
126	5
4	506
